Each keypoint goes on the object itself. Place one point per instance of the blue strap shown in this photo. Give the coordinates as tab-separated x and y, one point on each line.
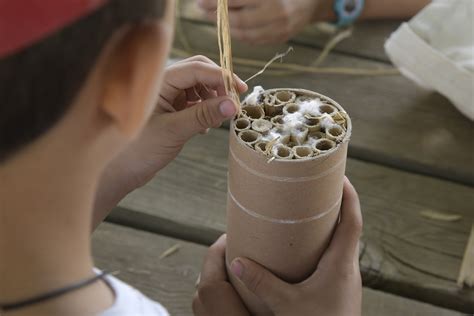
344	16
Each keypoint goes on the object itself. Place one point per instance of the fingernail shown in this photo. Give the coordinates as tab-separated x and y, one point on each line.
237	268
227	108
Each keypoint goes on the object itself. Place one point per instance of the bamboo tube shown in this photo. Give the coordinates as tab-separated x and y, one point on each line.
327	108
284	97
270	106
250	137
335	133
262	126
282	214
281	151
253	112
290	108
242	124
323	145
261	147
301	152
313	124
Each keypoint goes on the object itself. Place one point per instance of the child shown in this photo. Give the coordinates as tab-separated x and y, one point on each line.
87	114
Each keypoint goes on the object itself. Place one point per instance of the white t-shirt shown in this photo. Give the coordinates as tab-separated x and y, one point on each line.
131	302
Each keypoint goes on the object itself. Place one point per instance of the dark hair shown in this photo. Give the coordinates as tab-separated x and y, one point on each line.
38	84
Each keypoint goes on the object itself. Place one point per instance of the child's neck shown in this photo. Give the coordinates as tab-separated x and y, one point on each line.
45	219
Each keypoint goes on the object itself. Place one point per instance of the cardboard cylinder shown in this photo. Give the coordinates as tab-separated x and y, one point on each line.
282	214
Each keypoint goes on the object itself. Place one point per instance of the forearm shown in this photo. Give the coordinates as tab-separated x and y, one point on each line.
375	9
392	9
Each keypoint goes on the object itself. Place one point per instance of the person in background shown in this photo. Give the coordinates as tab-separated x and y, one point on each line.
275	21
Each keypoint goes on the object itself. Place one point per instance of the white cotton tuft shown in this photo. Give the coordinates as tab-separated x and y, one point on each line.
252	98
311	107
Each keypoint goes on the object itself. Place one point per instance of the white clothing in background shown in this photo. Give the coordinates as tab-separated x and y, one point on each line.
436	50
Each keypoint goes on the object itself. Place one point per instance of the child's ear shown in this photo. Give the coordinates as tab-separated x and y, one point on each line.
132	75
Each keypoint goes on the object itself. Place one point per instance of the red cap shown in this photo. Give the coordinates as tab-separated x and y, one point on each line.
23	22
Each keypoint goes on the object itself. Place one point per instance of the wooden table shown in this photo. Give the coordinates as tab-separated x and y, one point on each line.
411	152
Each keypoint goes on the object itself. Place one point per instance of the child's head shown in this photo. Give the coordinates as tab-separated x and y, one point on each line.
92	83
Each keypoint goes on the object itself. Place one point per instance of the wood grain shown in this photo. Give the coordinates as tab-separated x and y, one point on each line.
135	254
395	122
404	253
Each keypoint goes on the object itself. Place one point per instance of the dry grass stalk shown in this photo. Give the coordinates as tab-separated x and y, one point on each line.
277	56
291	68
439	216
225	51
168	252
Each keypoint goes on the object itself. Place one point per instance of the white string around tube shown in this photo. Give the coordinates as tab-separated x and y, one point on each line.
283	221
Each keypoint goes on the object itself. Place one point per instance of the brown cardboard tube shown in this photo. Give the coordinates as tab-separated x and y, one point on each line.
261	147
284	97
290	108
313	124
282	214
281	151
335	133
253	112
271	107
323	145
327	108
242	124
262	126
249	137
301	152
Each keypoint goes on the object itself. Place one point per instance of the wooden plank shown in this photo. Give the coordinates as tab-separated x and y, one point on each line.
405	253
366	41
135	254
395	122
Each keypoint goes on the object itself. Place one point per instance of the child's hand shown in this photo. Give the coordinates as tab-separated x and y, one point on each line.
215	295
335	288
192	99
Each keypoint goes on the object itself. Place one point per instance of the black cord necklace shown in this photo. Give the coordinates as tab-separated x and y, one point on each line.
50	295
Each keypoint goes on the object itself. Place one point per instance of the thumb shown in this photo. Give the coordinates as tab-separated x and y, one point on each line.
261	282
202	115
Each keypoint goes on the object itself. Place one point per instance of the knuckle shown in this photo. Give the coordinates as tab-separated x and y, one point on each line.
195	63
201	118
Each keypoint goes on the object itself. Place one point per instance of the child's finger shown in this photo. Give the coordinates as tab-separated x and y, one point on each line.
199	117
344	244
185	75
261	282
214	268
200	58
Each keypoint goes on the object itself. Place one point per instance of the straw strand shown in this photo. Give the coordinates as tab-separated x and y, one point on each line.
225	50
